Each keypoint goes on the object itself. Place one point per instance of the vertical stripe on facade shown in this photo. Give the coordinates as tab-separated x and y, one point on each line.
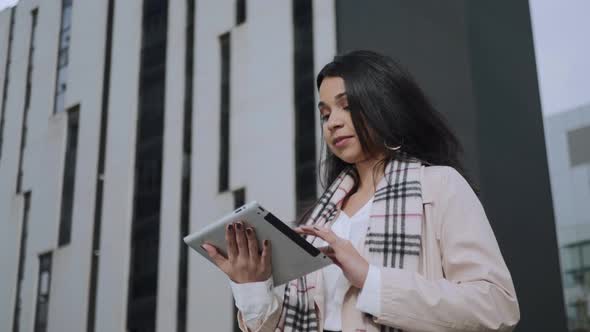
305	142
69	176
63	56
240	11
239	196
21	262
145	233
98	197
43	290
23	137
224	43
186	165
6	75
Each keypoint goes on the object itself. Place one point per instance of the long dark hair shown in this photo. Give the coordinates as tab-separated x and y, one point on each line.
388	109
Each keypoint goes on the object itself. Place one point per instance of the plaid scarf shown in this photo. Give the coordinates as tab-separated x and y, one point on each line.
393	237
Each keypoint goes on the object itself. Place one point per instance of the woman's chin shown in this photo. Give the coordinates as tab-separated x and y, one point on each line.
349	158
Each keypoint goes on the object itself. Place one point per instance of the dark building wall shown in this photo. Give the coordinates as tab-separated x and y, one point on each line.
476	61
513	161
430	40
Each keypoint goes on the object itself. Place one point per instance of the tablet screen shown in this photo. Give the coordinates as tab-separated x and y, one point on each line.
283	228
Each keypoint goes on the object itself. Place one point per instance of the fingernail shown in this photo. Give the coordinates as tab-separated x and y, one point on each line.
239	226
202	246
249	231
230	227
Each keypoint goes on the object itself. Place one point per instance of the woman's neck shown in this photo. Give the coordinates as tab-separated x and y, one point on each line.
368	175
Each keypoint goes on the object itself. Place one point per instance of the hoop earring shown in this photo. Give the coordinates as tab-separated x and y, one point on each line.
392	148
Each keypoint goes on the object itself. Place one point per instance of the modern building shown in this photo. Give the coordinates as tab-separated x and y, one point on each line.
125	125
568	152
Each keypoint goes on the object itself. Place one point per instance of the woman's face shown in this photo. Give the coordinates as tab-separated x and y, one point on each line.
339	133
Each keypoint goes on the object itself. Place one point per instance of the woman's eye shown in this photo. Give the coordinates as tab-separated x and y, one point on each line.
324	117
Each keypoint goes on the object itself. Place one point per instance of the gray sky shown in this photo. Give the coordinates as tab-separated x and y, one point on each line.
561	31
6	3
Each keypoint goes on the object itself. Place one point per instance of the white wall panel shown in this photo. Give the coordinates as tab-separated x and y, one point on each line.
4	35
172	168
71	263
10	229
208	293
119	169
261	139
11	204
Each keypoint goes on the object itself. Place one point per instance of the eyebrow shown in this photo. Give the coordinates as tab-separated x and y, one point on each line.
338	96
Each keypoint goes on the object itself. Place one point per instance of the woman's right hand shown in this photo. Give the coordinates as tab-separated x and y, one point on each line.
244	261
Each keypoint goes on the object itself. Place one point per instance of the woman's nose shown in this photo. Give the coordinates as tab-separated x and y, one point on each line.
334	122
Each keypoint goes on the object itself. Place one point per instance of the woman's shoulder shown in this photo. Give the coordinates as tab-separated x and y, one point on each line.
442	181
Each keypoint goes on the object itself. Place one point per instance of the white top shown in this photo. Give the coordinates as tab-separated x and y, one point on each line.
255	300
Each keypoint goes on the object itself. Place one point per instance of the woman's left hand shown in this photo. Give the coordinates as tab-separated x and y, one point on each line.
342	253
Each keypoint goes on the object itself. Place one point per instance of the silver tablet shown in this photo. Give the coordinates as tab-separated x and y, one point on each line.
292	255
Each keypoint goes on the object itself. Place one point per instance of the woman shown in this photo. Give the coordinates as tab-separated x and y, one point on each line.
412	247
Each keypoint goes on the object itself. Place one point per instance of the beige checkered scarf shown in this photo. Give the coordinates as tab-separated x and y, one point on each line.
393	237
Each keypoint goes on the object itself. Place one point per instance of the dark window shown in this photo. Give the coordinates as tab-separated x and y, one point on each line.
239	200
239	197
240	11
23	138
145	233
186	166
31	54
305	145
98	199
21	261
69	176
43	288
224	42
6	74
62	58
578	140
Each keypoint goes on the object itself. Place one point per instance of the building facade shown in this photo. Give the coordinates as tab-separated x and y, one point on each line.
117	116
125	125
568	137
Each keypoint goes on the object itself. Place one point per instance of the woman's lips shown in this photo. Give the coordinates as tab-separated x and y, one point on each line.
342	142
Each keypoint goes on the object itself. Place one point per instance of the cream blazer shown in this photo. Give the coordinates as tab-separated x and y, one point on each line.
462	283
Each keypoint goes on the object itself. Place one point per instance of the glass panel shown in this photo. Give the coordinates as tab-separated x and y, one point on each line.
240	11
305	114
62	58
586	256
578	140
59	102
44	283
61	80
66	18
64	41
571	258
224	42
148	169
